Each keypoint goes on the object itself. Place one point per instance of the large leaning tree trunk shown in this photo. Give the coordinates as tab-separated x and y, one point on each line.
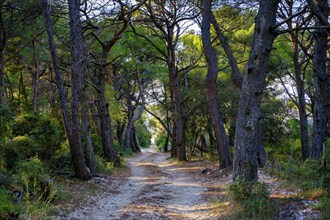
75	146
253	85
211	89
2	48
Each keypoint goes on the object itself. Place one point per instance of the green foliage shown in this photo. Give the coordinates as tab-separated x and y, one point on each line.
6	118
160	139
35	204
97	145
17	149
252	200
122	150
102	166
32	169
324	206
306	174
61	162
143	134
43	130
325	167
8	209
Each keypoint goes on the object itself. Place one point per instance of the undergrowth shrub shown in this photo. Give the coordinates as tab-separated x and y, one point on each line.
97	145
102	166
30	193
44	131
18	149
32	170
122	150
324	206
8	209
61	162
252	200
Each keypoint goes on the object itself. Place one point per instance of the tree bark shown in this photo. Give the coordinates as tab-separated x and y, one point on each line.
37	74
90	160
318	136
105	121
211	89
120	127
130	137
321	125
253	85
320	60
2	48
75	149
77	81
301	98
178	121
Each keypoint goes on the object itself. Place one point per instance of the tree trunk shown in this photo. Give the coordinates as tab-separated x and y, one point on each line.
253	85
77	76
320	60
178	135
36	84
318	124
135	140
90	160
75	149
120	127
211	89
174	151
2	48
166	142
130	138
301	97
261	154
105	122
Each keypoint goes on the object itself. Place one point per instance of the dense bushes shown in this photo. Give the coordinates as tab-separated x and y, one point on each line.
47	134
29	147
252	201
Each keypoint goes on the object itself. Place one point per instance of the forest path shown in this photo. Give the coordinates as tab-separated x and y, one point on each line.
157	188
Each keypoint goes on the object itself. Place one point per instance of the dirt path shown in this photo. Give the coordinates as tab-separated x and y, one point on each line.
155	189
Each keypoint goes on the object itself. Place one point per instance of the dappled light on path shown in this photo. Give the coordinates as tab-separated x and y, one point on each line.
157	188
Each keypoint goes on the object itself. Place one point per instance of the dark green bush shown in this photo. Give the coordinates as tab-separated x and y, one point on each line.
324	206
47	134
32	169
121	150
60	162
8	209
6	120
19	148
252	200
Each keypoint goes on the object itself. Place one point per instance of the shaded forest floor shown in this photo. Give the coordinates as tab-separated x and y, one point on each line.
155	187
